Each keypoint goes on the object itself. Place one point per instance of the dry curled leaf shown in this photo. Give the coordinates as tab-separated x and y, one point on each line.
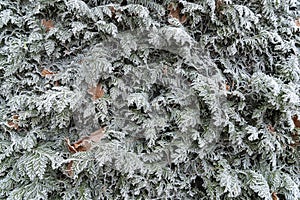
69	169
13	122
274	196
175	12
48	24
46	72
296	121
85	143
227	87
296	139
114	12
297	22
97	92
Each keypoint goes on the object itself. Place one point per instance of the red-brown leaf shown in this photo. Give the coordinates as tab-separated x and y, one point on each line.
13	122
175	12
45	72
297	22
85	143
274	196
296	121
97	92
48	24
69	169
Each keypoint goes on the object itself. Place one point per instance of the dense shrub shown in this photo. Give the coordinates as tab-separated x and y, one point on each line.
146	99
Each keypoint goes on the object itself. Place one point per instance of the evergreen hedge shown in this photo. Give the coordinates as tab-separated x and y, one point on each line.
143	99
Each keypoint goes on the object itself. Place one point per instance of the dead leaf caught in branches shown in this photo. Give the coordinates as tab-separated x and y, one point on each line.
274	196
296	121
175	12
13	123
69	168
45	72
48	24
97	92
85	143
297	22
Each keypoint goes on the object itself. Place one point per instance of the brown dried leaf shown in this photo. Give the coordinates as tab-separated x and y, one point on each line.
13	122
183	19
175	12
96	92
114	12
296	121
85	143
227	87
297	22
70	147
48	24
274	196
15	117
46	72
13	125
69	169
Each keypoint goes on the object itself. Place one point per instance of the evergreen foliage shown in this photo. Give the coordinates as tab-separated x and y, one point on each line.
199	99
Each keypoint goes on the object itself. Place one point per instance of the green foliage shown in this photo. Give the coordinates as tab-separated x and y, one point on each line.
198	99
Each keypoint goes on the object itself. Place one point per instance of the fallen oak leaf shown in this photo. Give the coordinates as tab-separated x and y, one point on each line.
115	13
97	92
183	19
84	144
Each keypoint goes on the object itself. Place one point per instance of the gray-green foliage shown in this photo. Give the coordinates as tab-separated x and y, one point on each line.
174	131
